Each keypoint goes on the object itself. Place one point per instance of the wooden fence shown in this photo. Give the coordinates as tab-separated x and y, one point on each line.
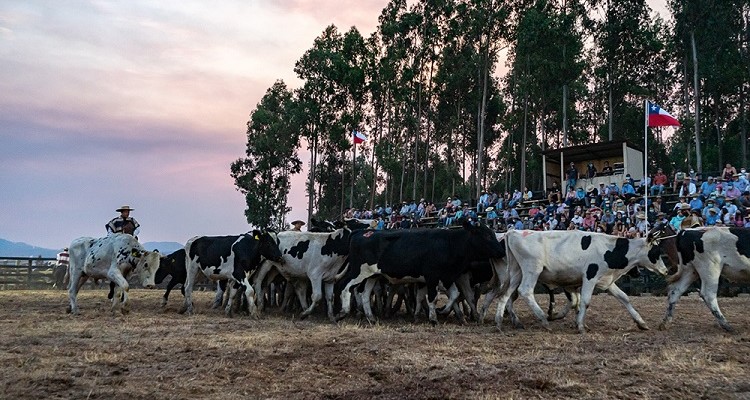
26	273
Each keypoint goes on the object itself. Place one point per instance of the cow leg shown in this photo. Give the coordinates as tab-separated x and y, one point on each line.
464	286
172	283
366	296
709	288
121	295
514	282
551	306
431	300
232	287
258	280
74	285
676	289
317	295
300	288
614	290
562	313
250	296
587	290
420	291
187	307
289	295
221	287
329	289
526	290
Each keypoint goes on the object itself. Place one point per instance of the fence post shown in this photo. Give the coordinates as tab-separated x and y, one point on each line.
28	276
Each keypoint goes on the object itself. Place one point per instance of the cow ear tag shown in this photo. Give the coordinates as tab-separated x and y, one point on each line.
135	253
256	237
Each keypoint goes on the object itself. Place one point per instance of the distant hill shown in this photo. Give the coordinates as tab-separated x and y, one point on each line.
19	249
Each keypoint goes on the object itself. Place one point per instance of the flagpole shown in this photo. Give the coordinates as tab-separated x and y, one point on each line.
645	160
354	165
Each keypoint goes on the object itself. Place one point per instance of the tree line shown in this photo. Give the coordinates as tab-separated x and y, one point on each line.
461	96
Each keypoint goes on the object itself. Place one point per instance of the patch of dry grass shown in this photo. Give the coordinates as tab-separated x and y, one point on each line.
152	352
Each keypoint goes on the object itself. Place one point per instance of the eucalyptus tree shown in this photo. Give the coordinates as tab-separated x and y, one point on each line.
263	175
712	34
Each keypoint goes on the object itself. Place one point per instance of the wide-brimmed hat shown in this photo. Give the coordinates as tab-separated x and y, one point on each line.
590	187
713	210
125	208
684	206
640	215
297	222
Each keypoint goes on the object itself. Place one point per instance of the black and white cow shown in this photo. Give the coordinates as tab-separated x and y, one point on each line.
233	258
707	254
575	260
429	256
313	257
112	257
172	265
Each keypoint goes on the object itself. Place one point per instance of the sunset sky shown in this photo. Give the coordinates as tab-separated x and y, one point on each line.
143	103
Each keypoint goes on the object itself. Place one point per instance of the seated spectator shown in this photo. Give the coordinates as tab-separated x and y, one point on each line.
696	203
517	196
563	223
534	209
484	201
589	222
679	178
592	194
609	220
732	193
491	217
728	172
742	182
517	224
687	188
570	197
731	212
641	224
577	218
560	209
659	181
676	221
553	194
744	201
747	221
456	202
658	204
580	199
710	205
527	194
681	204
707	188
404	209
619	205
607	170
628	190
739	220
693	176
612	191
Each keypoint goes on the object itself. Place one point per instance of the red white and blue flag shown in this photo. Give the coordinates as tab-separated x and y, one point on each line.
658	117
359	137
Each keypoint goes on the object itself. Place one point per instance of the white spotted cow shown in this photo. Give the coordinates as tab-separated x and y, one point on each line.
233	258
707	254
317	257
112	257
577	261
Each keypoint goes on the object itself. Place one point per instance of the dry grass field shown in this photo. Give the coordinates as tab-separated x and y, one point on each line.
158	354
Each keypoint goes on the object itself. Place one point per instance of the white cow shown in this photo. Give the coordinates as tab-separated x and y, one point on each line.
112	257
707	254
574	260
316	257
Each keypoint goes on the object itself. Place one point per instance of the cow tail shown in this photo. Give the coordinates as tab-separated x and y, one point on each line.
342	272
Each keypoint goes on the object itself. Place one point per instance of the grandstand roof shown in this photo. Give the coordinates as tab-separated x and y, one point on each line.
590	151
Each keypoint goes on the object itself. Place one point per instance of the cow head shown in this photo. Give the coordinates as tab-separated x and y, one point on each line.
484	241
321	226
268	245
147	266
167	265
662	238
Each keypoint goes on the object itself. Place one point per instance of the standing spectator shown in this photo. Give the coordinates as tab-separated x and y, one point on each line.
61	269
590	170
728	172
572	175
659	181
124	223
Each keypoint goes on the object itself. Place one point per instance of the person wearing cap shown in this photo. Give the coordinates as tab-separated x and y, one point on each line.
676	221
732	193
658	183
695	202
297	225
124	223
688	187
628	191
707	188
572	175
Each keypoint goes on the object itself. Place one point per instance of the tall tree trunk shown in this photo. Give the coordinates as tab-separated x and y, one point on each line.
611	111
311	177
523	140
696	97
480	136
429	128
717	126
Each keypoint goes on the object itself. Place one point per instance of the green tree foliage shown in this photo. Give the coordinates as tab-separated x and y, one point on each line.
263	175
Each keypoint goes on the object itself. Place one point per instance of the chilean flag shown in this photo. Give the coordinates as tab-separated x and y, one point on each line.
658	117
359	137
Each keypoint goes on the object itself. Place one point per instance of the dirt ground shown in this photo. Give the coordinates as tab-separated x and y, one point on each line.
158	354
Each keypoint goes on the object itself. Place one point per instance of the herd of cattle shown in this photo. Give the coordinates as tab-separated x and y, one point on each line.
411	266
